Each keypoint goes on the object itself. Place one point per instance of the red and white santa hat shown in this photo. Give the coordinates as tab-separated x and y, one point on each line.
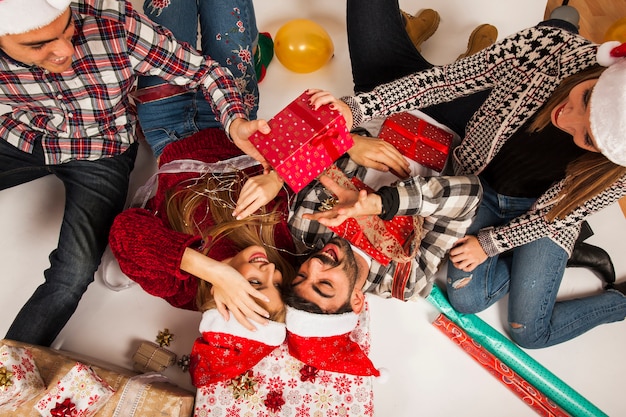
227	349
608	103
21	16
323	341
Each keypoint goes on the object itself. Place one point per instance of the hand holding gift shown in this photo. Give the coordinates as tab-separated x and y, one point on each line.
304	140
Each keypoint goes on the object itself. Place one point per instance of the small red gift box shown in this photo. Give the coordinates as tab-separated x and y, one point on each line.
417	139
303	142
379	239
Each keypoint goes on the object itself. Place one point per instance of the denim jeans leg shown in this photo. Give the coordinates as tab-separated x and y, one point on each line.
536	319
165	121
381	51
18	167
95	192
380	48
474	291
229	35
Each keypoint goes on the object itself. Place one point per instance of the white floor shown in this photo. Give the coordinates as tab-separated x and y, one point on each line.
430	376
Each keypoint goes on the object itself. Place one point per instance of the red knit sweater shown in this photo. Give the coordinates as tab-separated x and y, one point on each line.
149	251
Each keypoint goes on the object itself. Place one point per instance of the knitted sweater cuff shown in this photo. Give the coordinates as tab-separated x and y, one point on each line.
484	238
357	115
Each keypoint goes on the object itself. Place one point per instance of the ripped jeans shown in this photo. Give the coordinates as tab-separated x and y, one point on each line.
531	274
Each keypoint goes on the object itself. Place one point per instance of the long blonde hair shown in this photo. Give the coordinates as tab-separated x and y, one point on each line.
589	174
216	195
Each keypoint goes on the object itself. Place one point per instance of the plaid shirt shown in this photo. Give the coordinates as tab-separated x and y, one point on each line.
85	112
447	204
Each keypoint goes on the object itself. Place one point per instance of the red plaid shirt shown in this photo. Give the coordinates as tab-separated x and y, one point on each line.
85	112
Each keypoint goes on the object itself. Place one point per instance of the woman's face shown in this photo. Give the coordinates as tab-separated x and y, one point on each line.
253	264
572	115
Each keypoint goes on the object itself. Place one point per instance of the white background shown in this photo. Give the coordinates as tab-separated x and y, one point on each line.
430	375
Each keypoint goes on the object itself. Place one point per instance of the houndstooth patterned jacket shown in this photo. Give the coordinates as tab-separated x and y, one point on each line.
523	71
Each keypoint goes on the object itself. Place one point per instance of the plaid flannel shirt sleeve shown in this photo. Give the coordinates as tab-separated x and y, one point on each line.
448	205
154	51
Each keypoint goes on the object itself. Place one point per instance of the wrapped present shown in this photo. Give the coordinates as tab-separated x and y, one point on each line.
79	392
19	377
303	142
384	240
152	357
281	385
540	403
136	395
417	139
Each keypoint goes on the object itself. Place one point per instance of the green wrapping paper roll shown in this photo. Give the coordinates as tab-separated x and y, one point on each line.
516	359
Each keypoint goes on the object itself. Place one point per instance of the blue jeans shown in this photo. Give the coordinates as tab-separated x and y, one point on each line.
228	35
381	51
95	192
531	274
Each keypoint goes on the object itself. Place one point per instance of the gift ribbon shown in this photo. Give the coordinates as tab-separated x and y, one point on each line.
64	409
383	244
147	191
326	136
415	137
516	359
6	378
134	391
516	384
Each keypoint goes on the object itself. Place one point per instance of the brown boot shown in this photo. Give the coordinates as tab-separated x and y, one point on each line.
481	37
421	26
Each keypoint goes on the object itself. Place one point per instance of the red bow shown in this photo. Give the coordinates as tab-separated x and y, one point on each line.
308	373
65	409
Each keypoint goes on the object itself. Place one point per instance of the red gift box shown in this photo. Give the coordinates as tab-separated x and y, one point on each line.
303	142
379	239
417	139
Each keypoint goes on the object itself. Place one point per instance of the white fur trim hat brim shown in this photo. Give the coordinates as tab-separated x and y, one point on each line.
272	334
608	105
21	16
307	324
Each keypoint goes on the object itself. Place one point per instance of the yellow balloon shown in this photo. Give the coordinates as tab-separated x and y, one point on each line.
617	31
303	46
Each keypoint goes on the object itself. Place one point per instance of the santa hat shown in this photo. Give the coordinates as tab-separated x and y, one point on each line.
21	16
227	349
608	103
323	342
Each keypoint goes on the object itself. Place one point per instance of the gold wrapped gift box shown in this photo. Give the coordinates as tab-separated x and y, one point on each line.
136	395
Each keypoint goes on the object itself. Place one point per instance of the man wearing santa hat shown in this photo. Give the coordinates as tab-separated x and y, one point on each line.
67	71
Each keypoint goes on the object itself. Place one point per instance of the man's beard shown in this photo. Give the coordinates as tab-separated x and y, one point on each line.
350	265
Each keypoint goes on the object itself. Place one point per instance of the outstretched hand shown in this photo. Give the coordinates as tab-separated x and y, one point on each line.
320	97
240	131
467	253
351	203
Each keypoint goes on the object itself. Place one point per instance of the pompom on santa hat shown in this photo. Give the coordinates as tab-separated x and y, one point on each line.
323	342
227	349
21	16
608	103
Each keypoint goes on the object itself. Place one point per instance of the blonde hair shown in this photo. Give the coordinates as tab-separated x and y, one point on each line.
589	174
219	193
